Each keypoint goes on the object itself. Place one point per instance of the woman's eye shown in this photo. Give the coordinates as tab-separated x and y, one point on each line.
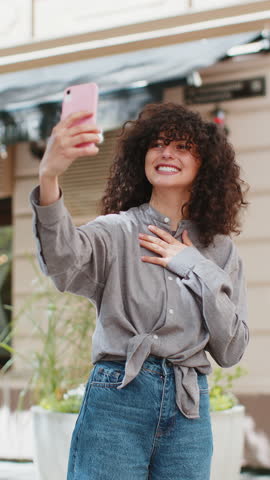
183	147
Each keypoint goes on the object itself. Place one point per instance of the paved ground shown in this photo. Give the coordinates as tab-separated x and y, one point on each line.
25	471
17	471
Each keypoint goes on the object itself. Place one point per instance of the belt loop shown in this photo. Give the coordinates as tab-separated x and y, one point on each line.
164	366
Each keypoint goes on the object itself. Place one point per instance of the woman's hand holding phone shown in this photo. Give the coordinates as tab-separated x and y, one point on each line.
62	148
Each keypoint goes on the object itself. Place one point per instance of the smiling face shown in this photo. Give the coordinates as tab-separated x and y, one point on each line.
171	164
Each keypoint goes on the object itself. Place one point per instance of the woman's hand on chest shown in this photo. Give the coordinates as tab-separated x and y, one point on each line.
164	245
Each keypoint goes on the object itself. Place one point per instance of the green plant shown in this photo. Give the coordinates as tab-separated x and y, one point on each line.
59	358
221	383
5	280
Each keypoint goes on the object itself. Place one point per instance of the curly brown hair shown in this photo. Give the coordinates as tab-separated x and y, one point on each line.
217	193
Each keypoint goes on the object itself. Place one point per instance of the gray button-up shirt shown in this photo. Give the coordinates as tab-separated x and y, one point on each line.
197	303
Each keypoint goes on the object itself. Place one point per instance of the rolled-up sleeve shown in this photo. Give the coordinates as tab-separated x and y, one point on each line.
222	296
76	258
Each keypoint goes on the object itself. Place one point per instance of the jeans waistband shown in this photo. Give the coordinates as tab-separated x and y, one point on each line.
157	365
153	360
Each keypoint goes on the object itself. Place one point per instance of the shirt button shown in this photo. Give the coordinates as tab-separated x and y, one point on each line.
171	310
166	219
170	278
155	337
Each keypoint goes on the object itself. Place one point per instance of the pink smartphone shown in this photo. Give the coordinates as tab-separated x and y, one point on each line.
80	97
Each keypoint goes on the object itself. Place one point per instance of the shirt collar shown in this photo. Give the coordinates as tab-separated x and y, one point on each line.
154	216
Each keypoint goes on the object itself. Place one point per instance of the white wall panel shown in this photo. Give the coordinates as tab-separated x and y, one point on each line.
15	25
256	221
259	309
85	16
255	165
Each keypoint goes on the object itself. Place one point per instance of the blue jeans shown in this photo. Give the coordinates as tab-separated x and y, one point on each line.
138	432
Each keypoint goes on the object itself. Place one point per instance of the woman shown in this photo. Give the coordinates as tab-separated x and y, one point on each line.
167	282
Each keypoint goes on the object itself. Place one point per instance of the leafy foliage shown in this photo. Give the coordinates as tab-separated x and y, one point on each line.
221	383
5	277
65	405
61	327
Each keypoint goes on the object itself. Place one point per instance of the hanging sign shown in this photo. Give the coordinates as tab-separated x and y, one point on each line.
222	91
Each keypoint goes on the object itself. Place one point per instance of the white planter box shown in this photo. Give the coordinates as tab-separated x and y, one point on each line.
16	434
52	435
228	436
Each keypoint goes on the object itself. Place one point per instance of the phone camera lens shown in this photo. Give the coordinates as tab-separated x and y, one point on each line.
68	92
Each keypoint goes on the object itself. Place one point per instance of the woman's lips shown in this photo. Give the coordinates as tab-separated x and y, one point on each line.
167	169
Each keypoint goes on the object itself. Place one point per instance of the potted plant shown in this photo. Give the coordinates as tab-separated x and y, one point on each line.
59	365
227	425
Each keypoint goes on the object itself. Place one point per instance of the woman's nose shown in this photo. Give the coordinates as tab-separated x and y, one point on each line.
167	151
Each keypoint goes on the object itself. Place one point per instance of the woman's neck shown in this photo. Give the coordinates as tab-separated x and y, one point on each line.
169	204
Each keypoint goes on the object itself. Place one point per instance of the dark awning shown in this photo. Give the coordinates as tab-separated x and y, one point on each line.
126	82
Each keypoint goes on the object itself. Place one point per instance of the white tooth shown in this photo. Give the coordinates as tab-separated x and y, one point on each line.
168	169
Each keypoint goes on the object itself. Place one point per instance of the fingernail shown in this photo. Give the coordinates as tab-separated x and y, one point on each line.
101	137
